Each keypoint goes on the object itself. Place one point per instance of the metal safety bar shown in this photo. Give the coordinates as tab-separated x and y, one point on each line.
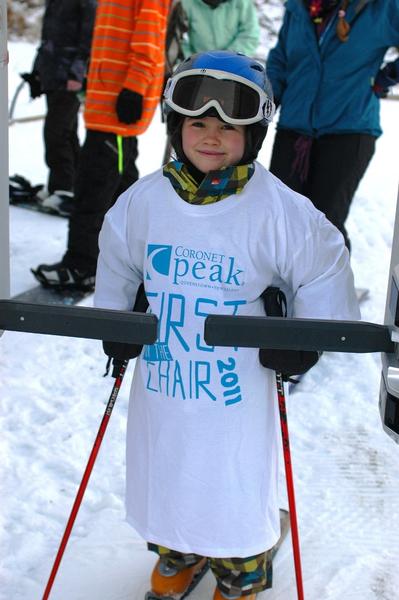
79	321
298	334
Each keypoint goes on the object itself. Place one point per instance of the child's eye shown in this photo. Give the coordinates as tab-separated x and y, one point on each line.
197	124
229	127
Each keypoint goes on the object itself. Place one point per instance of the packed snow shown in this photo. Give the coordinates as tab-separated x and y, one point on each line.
53	397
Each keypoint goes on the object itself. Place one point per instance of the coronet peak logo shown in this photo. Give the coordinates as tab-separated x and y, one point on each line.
184	265
159	259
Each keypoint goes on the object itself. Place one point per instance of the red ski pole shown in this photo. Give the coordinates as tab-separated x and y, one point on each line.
290	484
86	476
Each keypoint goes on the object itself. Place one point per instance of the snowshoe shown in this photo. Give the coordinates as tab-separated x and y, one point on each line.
61	276
167	583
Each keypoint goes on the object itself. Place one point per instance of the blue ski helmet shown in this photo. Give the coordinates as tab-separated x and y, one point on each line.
225	84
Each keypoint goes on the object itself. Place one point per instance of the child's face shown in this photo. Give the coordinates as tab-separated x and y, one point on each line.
211	144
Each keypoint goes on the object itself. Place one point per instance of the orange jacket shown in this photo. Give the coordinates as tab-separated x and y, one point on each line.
127	52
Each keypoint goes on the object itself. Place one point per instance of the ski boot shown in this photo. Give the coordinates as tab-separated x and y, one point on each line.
284	528
167	583
60	202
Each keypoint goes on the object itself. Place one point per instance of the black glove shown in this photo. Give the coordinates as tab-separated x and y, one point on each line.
386	78
286	362
129	106
121	351
33	80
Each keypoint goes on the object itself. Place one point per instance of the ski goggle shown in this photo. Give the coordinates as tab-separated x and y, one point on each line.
237	100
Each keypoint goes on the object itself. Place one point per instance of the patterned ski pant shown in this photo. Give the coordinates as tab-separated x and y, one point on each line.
234	576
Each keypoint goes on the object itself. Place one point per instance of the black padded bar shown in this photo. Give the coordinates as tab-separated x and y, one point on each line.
79	321
297	334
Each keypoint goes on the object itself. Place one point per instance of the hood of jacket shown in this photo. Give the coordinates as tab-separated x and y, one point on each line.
294	5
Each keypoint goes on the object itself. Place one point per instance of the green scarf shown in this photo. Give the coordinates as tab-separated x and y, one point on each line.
215	186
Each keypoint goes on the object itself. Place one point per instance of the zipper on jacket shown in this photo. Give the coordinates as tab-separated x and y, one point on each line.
327	29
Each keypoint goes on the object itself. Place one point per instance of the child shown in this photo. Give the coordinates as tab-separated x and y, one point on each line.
207	234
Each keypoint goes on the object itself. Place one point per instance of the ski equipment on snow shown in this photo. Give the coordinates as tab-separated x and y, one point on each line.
21	189
63	277
60	202
284	528
25	195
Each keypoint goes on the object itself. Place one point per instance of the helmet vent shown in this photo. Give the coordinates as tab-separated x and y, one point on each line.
257	67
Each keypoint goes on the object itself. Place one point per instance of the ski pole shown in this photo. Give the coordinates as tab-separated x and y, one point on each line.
120	369
276	306
290	484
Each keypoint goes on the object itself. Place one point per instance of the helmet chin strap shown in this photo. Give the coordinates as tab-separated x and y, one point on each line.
254	137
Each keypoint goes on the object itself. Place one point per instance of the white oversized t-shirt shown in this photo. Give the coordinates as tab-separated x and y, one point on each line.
203	425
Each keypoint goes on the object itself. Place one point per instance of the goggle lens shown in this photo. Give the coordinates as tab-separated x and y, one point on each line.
237	100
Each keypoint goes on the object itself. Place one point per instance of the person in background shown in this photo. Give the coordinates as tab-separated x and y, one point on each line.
221	25
59	71
208	233
327	76
124	85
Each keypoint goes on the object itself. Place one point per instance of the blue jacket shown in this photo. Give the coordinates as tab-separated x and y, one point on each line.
324	85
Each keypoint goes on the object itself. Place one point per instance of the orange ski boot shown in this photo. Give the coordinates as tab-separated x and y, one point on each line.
168	583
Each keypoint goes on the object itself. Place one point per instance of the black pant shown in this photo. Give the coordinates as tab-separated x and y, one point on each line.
336	164
98	185
61	139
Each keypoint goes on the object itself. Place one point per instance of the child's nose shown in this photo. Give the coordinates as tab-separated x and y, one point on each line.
212	135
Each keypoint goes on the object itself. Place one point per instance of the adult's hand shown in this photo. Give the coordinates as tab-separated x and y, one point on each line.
73	85
129	106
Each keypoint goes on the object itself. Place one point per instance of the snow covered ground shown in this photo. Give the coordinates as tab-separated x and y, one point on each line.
53	397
